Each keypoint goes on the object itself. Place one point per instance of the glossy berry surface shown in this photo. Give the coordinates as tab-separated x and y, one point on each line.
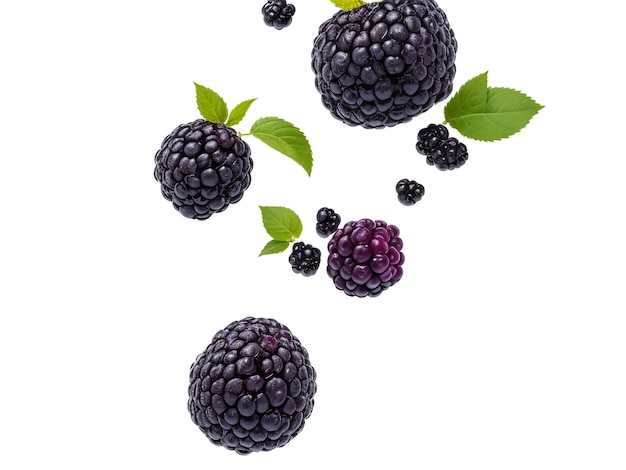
203	168
431	137
384	63
304	258
252	388
278	13
449	155
327	222
365	257
409	191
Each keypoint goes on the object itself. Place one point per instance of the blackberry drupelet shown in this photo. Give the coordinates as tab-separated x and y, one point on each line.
253	387
365	257
305	258
409	191
449	155
327	221
278	13
431	137
203	167
384	63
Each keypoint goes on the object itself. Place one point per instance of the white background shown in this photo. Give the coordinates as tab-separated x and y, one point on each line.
501	348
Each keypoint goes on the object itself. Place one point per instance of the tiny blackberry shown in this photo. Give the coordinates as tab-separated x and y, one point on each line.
203	167
304	258
278	13
253	387
430	137
327	221
409	191
449	155
365	257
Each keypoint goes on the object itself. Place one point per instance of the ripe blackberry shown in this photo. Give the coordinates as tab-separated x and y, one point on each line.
305	258
449	155
430	137
384	63
278	13
327	221
252	388
203	167
365	257
409	191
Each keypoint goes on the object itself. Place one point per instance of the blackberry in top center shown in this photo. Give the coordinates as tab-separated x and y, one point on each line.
384	63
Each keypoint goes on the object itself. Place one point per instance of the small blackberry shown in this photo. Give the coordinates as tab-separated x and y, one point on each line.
409	191
430	137
203	167
278	13
327	221
305	258
253	387
449	155
365	257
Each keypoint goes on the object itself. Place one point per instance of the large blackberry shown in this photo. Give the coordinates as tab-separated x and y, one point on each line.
450	154
383	63
365	257
278	13
409	191
252	388
305	258
327	221
203	167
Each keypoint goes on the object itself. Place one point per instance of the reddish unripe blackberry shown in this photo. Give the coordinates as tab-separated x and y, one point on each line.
252	388
203	167
365	257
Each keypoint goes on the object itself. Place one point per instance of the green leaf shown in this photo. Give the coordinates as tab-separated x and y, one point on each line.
285	138
274	246
211	105
348	4
239	112
504	111
281	223
469	99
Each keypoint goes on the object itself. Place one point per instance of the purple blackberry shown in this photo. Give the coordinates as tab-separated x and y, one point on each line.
409	191
305	258
449	155
431	137
252	388
278	13
384	63
365	257
327	221
203	168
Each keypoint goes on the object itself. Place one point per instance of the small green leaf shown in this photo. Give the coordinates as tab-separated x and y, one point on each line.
348	4
504	111
281	223
274	246
470	98
211	105
285	138
239	112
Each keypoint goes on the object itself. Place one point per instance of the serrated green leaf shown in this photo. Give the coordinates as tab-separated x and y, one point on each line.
274	246
285	138
211	105
239	112
470	98
348	4
281	223
488	113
